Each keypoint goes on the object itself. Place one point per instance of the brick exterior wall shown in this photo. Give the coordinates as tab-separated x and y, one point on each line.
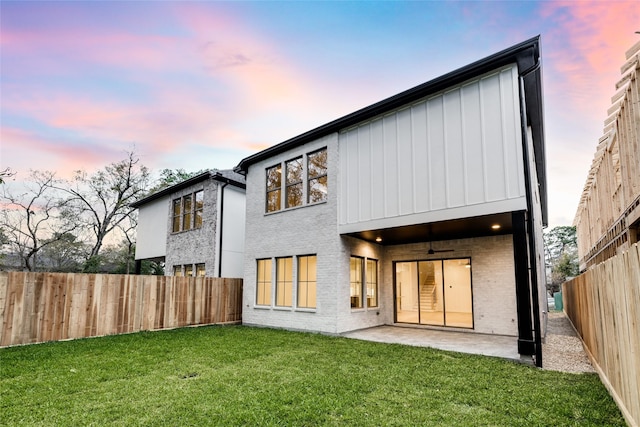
307	230
195	246
310	230
492	278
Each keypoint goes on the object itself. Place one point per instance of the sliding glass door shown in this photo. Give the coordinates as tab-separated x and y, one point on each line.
434	292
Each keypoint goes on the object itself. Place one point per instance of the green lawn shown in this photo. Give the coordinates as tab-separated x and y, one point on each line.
235	375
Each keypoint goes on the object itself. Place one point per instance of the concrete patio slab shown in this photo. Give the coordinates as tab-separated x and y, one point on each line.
463	342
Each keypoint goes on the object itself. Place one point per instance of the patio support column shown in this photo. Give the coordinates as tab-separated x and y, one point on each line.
526	344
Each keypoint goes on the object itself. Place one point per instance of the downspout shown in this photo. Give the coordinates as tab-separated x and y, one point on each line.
533	270
221	228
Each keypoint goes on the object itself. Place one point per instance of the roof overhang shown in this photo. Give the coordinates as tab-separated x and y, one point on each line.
215	175
480	226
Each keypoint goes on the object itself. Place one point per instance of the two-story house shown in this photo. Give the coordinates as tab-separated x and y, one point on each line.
196	227
423	209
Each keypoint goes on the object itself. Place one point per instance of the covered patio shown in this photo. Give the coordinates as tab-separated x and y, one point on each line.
463	342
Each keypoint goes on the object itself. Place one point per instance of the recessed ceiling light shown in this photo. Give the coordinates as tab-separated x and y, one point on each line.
378	239
495	227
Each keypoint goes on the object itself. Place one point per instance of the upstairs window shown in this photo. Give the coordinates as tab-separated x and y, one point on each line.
198	209
317	176
187	212
274	188
186	209
177	215
304	182
294	182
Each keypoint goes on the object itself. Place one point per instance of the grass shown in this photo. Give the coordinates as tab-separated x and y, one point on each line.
235	375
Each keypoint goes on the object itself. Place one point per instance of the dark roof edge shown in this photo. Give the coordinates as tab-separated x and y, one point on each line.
215	175
226	180
504	57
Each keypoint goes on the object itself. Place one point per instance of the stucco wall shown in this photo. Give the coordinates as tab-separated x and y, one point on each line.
151	237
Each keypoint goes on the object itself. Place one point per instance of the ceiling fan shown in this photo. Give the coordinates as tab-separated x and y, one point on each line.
431	251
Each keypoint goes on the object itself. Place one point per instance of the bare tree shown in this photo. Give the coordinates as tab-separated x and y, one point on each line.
101	200
6	173
35	218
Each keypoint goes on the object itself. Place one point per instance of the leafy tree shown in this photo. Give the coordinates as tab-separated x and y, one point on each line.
150	267
101	200
36	218
561	256
169	177
66	254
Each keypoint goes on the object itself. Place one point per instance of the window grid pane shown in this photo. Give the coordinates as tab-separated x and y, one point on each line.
200	270
317	176
177	270
188	270
294	182
372	283
263	288
284	282
187	207
274	188
356	282
176	215
307	281
199	208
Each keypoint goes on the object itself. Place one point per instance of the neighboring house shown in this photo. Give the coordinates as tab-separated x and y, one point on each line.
196	227
426	208
608	217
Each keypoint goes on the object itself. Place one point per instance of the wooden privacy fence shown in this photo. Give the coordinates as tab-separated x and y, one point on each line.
604	306
38	307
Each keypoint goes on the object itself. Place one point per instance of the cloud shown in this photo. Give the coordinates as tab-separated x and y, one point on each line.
23	150
587	41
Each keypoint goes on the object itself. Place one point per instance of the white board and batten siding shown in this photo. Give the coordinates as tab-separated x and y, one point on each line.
454	154
152	229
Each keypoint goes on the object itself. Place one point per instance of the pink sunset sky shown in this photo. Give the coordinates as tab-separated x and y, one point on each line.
197	85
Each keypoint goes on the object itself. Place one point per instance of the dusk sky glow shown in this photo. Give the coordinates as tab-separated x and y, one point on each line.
197	85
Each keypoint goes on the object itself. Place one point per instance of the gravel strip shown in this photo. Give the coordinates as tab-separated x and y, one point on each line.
562	349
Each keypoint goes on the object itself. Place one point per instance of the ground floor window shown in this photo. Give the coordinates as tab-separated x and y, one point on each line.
200	270
284	281
187	270
372	282
355	281
263	284
293	288
307	281
363	282
434	292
